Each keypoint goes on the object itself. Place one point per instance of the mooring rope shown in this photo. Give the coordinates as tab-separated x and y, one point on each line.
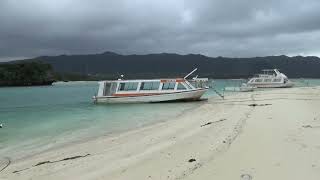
219	94
6	162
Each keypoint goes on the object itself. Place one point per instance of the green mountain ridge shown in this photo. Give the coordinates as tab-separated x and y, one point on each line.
111	65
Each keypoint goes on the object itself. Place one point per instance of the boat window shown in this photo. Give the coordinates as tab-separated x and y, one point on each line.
109	88
258	80
168	85
276	80
267	80
106	90
128	86
181	87
150	85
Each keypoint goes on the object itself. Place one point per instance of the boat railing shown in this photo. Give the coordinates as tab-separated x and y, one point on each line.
200	82
265	75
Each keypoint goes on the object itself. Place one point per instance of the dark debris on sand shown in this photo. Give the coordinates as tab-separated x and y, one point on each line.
254	105
65	159
211	122
49	162
191	160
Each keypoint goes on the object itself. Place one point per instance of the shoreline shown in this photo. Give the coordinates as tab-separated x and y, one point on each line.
187	147
126	136
88	138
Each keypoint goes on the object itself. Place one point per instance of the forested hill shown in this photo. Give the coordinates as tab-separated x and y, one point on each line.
110	63
25	74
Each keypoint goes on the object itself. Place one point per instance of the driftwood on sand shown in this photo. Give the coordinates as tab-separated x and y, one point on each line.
253	105
211	122
50	162
65	159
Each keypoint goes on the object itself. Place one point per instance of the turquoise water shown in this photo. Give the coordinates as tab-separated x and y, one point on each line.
38	118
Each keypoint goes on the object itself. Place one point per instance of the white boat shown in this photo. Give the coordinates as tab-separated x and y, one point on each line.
148	90
271	78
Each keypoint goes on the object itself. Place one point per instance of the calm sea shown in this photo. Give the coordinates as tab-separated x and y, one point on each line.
38	118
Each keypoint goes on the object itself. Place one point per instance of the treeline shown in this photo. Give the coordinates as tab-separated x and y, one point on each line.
26	74
112	65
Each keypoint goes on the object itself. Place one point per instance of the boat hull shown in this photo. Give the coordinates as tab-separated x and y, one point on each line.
272	85
190	95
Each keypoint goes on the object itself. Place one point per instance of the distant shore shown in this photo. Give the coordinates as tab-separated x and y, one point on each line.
26	84
263	135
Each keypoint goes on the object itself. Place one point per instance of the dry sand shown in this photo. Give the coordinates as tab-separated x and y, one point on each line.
221	139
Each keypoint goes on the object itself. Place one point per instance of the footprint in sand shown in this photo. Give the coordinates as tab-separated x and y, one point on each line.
245	177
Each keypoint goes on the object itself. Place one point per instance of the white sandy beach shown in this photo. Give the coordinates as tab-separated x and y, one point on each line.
222	139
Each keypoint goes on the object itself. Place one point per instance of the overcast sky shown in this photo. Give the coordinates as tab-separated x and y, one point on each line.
233	28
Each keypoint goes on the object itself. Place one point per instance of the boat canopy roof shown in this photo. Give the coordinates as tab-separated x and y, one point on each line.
147	80
268	72
161	80
272	70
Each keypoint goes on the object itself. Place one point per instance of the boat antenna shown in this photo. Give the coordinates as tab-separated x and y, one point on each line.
121	77
190	73
194	78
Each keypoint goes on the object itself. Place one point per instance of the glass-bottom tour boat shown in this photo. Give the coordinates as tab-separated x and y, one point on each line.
270	78
150	90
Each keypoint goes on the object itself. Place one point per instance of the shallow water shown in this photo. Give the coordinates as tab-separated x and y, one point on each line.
38	118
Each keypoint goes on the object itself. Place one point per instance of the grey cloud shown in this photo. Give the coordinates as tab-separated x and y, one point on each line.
212	27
